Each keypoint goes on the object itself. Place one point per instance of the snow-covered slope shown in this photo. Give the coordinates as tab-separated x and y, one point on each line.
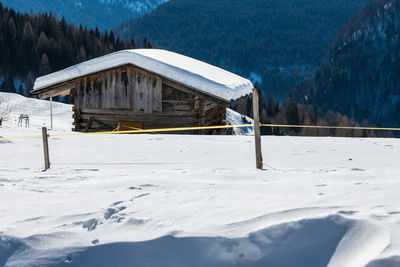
235	118
181	200
136	6
13	105
104	14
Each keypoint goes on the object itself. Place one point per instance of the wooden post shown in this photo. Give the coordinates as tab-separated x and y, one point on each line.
51	113
45	148
257	131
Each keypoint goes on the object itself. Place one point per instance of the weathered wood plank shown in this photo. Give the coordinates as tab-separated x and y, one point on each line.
135	99
134	113
62	89
92	93
83	91
129	88
140	80
192	91
177	107
119	98
165	119
103	91
125	89
148	99
113	89
171	93
157	95
97	86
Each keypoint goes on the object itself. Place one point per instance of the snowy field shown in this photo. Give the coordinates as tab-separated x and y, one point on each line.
175	200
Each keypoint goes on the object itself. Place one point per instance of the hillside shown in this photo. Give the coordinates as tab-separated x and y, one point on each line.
276	37
362	79
181	200
31	46
104	14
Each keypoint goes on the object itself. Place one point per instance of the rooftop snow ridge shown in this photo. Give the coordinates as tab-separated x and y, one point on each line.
193	73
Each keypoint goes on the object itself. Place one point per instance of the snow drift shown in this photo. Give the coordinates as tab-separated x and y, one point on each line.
181	200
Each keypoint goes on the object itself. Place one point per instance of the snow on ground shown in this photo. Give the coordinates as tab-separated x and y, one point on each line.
37	110
235	118
181	200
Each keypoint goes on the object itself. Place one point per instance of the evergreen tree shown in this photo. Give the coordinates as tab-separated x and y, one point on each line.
8	84
38	44
292	116
44	67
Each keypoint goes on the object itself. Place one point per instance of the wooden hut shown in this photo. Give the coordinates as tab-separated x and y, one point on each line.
146	89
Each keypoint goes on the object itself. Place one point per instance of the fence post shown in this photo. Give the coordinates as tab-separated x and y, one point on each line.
51	113
257	131
45	148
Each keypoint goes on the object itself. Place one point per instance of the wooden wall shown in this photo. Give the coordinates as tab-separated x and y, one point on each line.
131	94
120	88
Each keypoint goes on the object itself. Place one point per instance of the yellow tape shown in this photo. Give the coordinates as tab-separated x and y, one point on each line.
140	131
20	137
163	130
208	128
329	127
129	127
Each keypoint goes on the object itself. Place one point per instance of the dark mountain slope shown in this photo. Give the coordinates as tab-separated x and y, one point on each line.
363	78
36	45
104	14
247	35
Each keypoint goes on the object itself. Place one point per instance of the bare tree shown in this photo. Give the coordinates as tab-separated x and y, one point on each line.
4	111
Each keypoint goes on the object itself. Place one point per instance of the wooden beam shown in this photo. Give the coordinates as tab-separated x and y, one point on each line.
63	89
126	112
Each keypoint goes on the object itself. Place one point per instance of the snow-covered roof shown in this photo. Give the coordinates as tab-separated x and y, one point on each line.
193	73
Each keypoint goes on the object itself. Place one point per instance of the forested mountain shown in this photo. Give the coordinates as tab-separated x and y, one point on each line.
284	40
363	78
104	14
36	45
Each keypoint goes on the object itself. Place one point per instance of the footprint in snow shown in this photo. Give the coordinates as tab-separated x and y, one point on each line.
357	170
147	185
133	221
134	188
90	225
142	195
116	203
92	170
394	213
112	213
